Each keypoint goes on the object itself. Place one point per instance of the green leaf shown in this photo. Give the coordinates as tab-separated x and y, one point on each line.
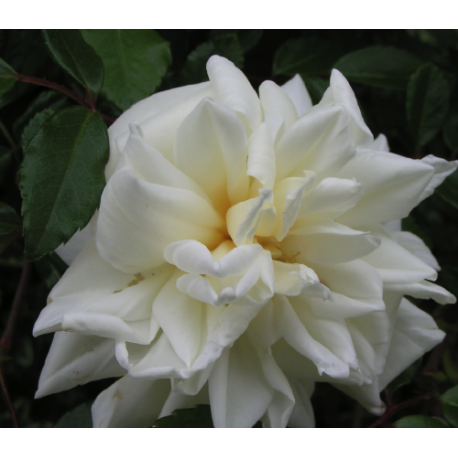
448	190
427	103
80	417
419	421
45	99
196	417
410	225
34	126
316	87
449	403
405	377
10	225
6	82
51	268
135	62
248	39
194	70
75	56
451	132
379	66
305	56
62	178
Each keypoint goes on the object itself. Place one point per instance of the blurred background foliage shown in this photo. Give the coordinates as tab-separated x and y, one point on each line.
407	88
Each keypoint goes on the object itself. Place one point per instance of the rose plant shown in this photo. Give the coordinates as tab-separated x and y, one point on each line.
246	247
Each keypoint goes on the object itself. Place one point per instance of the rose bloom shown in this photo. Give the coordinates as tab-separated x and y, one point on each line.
245	248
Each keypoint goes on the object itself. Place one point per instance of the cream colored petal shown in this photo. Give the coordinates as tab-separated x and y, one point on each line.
424	290
395	264
213	139
442	169
297	92
341	93
244	218
191	256
138	220
302	415
379	144
288	195
76	360
367	395
325	242
261	156
231	88
239	391
151	166
417	247
295	279
356	288
181	319
178	400
391	186
332	196
415	333
274	100
332	333
281	406
159	116
319	141
295	333
130	403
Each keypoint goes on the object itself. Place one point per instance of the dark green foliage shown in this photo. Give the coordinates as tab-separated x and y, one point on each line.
80	417
306	56
449	190
449	402
379	66
50	269
194	69
419	421
62	177
427	102
6	82
74	55
135	62
404	378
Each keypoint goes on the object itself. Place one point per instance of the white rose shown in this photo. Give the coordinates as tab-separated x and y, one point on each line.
239	256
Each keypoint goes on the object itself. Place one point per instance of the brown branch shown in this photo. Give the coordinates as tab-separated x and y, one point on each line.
390	411
8	400
57	87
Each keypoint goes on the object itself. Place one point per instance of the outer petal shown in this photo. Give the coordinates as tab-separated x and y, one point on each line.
417	247
239	391
391	186
295	89
340	93
302	415
138	220
130	403
75	360
231	88
415	333
442	169
159	116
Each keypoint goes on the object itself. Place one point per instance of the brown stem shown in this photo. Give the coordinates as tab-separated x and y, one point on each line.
390	411
57	87
7	399
5	343
68	92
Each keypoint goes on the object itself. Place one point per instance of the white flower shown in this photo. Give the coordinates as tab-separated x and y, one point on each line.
240	255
